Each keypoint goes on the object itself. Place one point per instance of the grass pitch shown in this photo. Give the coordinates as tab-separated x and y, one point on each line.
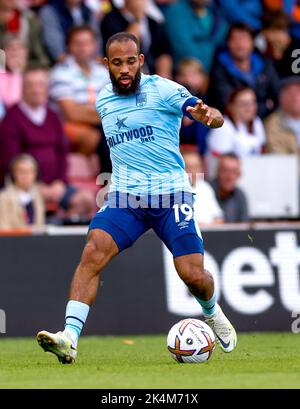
260	361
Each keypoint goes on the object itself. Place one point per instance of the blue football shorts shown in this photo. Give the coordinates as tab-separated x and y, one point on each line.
126	217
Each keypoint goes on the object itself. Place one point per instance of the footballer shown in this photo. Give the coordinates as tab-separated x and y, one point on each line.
141	117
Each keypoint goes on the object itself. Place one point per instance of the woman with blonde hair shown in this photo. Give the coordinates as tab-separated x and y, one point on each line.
21	202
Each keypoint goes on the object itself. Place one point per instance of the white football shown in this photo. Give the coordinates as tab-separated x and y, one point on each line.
191	341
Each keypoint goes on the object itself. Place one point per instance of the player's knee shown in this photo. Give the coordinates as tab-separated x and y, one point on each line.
92	254
98	250
195	277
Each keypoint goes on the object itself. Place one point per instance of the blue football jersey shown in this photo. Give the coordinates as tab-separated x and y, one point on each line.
142	132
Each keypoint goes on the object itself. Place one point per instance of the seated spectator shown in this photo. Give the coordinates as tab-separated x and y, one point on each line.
74	85
242	132
57	18
21	202
275	42
283	126
23	22
248	12
133	18
206	207
292	8
31	127
16	54
195	29
239	65
230	198
190	74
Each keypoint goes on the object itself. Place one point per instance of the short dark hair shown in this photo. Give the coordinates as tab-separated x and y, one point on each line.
79	29
239	27
276	19
236	92
122	37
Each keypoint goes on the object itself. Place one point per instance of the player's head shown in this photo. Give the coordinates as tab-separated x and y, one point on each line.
124	61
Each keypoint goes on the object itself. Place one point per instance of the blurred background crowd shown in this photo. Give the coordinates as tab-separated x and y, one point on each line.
241	56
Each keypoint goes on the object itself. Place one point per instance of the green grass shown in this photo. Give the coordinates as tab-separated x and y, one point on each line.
260	361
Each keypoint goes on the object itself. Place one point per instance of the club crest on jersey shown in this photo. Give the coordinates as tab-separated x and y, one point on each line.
141	99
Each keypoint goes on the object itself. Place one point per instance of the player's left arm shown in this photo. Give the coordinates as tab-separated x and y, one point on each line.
205	114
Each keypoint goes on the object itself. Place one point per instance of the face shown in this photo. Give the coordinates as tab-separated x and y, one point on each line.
35	88
16	55
228	174
124	64
290	100
83	47
244	107
240	45
192	78
25	174
193	166
278	38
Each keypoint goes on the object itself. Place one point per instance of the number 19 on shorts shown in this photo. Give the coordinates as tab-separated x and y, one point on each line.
185	209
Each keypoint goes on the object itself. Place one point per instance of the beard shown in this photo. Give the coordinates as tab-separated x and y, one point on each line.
120	89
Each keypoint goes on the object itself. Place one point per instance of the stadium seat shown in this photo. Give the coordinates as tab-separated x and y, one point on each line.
83	170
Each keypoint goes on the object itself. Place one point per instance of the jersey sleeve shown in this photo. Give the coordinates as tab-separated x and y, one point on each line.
174	95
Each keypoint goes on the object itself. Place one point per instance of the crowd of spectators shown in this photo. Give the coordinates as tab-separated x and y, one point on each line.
237	55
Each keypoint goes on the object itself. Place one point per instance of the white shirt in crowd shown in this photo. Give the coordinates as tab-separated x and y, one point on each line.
35	115
206	207
68	81
231	138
